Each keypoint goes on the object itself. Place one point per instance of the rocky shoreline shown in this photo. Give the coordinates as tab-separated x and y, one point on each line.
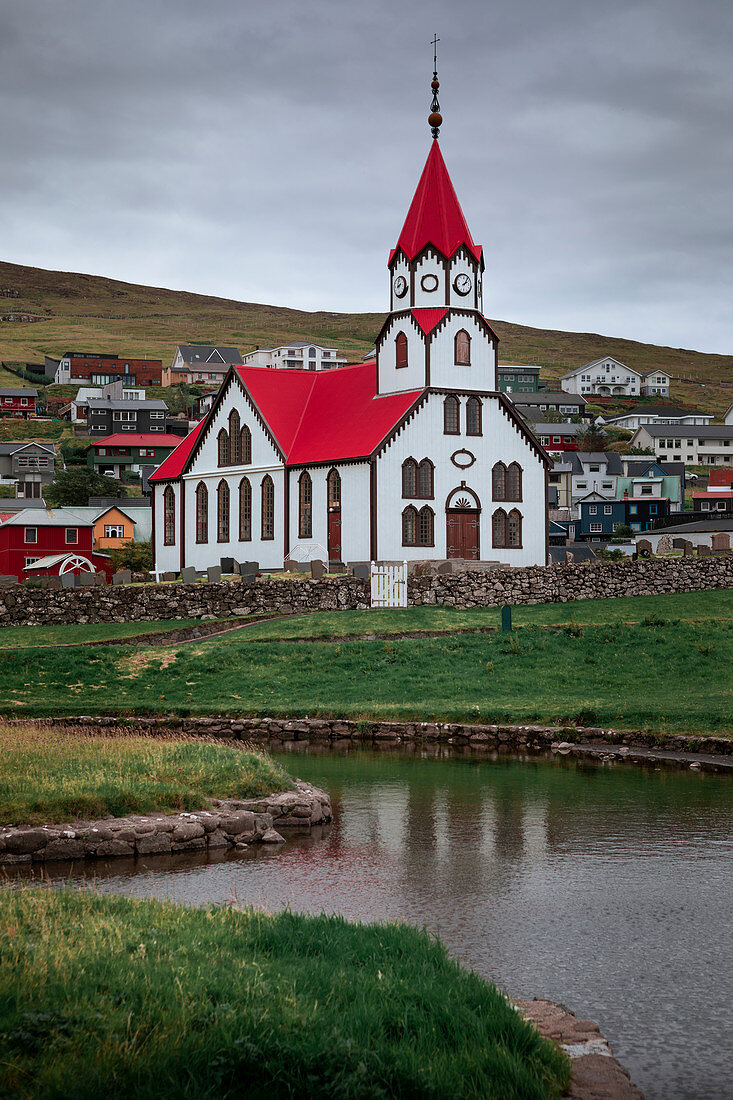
227	823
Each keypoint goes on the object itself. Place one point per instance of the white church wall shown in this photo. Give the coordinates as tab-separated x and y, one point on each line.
393	379
355	530
429	287
400	269
481	374
460	264
268	552
167	558
501	441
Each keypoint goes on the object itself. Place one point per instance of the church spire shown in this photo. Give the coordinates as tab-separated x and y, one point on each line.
435	119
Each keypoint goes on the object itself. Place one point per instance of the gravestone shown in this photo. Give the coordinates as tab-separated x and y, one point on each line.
688	549
569	558
54	582
664	545
317	570
249	570
188	575
362	570
87	580
336	567
704	552
643	546
214	574
721	541
290	566
168	576
68	580
100	579
122	576
304	567
678	544
226	565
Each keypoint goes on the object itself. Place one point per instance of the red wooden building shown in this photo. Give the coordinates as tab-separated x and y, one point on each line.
99	369
18	402
37	534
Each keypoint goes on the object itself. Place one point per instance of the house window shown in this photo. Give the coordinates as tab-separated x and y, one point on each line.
268	508
223	448
473	416
451	416
462	349
114	531
498	481
72	536
169	516
409	478
305	512
425	479
245	510
31	534
593	510
30	561
608	509
514	482
222	512
202	513
101	451
400	350
596	528
147	452
409	526
235	439
506	529
334	489
246	446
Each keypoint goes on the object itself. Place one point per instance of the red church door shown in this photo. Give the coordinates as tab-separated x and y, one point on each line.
334	533
463	534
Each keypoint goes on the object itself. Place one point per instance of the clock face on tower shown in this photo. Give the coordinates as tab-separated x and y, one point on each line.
400	286
462	284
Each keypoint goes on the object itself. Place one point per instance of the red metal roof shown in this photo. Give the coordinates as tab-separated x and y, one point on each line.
6	515
713	494
138	439
428	319
172	466
435	216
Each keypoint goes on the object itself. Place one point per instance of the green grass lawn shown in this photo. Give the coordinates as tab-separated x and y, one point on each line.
147	999
672	676
67	774
29	636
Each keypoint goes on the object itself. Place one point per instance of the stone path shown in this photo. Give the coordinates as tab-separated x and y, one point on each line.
596	1074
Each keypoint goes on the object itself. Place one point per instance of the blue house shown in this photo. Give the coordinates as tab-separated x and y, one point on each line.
598	516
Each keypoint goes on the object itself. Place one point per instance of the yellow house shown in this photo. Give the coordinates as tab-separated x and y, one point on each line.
113	527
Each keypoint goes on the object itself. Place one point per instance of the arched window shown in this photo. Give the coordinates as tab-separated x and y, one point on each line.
425	526
498	528
409	478
451	416
222	512
425	479
409	526
235	441
400	350
473	416
223	448
305	508
202	513
311	353
169	516
514	529
245	510
268	508
514	482
245	447
498	481
463	349
334	489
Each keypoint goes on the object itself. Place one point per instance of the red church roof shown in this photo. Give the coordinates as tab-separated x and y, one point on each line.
435	215
315	416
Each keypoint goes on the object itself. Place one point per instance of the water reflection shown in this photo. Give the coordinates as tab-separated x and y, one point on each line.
602	887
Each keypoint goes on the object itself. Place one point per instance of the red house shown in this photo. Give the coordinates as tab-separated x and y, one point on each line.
720	478
99	369
18	402
55	537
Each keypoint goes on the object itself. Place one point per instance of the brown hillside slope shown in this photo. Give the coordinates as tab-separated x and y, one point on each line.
90	312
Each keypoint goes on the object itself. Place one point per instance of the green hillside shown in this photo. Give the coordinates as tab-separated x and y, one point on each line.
90	312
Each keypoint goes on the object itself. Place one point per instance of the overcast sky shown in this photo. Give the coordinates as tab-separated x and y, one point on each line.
269	151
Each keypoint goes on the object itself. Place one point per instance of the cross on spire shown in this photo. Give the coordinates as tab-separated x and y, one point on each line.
435	119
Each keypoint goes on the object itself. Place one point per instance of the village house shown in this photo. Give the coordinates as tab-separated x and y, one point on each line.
79	411
650	479
194	364
109	414
709	445
533	406
18	402
115	524
99	369
28	466
297	355
608	376
120	454
659	414
48	542
516	378
557	437
414	454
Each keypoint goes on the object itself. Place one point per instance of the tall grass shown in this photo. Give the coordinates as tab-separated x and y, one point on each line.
148	999
49	775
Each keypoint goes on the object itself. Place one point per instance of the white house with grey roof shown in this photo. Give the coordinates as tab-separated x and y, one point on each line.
297	355
610	377
707	445
534	405
659	414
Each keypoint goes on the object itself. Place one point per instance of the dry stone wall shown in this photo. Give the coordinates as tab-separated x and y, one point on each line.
21	606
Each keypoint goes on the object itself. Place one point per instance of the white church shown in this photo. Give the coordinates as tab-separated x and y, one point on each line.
414	454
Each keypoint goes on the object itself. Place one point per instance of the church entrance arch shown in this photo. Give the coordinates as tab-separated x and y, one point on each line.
333	485
463	524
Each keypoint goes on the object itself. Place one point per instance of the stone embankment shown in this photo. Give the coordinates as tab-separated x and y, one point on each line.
22	606
228	823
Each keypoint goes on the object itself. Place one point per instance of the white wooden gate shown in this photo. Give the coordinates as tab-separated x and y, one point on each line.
389	584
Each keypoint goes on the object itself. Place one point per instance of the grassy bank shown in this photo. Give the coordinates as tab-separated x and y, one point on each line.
67	774
657	675
149	999
28	636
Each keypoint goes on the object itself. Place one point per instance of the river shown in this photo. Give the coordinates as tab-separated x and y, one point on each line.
606	888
